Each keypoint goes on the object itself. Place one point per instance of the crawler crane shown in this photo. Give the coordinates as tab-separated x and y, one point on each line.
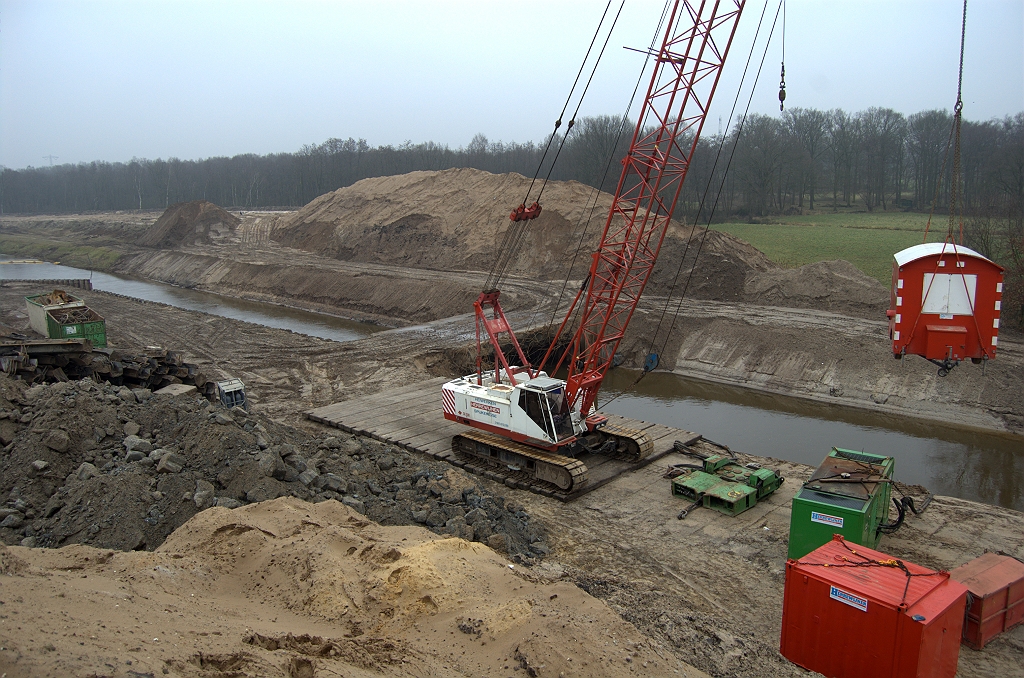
527	423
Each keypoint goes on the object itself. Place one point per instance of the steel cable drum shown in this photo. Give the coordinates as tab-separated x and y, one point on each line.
944	304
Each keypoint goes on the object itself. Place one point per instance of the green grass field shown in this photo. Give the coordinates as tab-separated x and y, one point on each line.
868	240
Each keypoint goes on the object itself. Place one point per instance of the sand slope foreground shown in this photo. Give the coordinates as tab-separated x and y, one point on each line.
286	588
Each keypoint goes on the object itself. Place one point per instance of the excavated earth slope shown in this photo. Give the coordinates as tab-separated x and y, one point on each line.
190	223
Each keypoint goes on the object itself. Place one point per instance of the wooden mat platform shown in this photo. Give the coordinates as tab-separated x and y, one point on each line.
411	417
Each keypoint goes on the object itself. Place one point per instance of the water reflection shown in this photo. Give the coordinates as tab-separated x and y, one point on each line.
280	317
947	460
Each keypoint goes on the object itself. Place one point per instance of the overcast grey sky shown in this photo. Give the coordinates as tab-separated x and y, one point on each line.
109	80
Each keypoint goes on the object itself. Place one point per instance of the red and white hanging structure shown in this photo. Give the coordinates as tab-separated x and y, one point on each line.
944	304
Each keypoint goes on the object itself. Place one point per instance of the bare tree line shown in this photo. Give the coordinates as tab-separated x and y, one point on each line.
807	159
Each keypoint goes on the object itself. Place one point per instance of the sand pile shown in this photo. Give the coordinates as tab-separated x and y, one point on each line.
455	220
836	286
289	588
190	223
120	468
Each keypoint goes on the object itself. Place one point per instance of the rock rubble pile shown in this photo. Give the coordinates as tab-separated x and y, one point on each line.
122	468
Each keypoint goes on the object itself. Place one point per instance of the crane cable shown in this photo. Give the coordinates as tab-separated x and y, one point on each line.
586	216
782	76
700	207
955	202
506	243
516	231
521	232
718	196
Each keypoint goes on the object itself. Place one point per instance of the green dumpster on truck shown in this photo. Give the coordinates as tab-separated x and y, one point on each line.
848	495
59	315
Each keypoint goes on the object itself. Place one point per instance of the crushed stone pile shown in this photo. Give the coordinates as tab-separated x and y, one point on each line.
122	468
190	223
290	588
455	219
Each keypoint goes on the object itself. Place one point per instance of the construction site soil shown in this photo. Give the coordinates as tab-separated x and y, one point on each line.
200	541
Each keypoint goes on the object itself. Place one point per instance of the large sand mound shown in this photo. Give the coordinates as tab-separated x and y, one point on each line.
456	219
190	223
287	588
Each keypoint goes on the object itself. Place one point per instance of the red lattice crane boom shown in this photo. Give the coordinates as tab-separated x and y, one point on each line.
523	415
686	76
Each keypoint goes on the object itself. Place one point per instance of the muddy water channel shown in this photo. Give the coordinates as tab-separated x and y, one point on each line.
269	315
963	463
958	462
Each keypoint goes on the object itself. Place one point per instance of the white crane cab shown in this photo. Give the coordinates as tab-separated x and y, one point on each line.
533	411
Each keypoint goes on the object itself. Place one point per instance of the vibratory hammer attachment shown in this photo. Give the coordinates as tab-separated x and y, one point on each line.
524	213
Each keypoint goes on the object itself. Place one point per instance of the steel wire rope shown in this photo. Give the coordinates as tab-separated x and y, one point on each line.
519	234
582	227
579	308
649	53
700	207
782	75
895	563
493	279
954	140
955	187
579	104
721	186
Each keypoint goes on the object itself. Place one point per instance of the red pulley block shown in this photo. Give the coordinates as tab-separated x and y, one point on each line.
523	213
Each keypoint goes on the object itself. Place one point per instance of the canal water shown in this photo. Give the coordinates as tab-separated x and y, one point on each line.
952	461
270	315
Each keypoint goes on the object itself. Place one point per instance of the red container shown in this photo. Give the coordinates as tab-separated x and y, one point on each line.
996	584
944	303
847	615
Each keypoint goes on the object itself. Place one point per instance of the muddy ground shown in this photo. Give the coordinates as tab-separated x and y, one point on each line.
707	590
704	592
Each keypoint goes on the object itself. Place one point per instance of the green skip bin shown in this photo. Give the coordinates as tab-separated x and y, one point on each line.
848	495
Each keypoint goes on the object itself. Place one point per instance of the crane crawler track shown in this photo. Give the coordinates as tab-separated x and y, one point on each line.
634	444
522	463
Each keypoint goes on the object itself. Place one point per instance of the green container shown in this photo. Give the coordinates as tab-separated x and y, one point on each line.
848	495
94	328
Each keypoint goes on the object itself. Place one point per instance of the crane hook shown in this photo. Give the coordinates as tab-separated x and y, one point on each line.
782	87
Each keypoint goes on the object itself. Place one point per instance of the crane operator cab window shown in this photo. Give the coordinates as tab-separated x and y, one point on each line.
548	410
